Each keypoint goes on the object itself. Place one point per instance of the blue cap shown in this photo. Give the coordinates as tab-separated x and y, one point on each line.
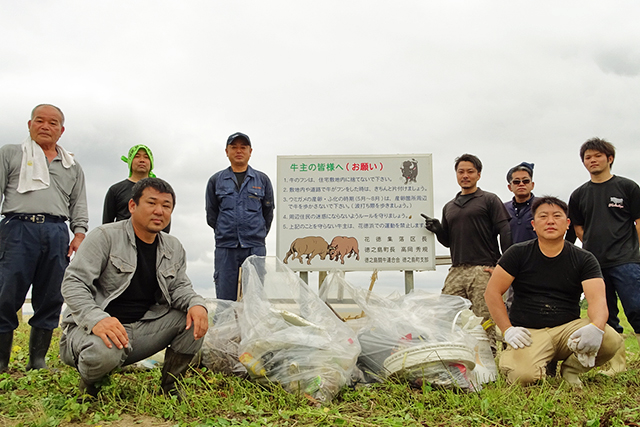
528	166
238	135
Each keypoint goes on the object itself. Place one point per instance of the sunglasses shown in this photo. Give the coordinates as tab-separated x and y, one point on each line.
524	181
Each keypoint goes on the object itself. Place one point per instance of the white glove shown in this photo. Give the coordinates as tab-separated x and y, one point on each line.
585	343
586	360
589	339
517	337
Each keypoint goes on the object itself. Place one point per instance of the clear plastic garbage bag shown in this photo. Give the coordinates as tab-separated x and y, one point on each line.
417	336
289	335
219	351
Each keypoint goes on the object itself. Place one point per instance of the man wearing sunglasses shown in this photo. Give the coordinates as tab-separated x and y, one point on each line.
605	212
520	183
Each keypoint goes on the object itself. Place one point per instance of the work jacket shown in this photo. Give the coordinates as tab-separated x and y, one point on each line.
240	218
104	266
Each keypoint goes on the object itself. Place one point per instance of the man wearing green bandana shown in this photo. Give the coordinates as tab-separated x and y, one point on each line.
116	202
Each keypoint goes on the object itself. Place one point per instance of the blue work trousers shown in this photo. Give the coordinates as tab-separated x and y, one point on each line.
623	280
227	263
35	255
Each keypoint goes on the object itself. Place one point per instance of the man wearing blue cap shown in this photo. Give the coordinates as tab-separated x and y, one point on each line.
239	206
116	201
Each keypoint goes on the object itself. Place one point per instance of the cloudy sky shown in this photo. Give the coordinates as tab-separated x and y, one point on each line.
508	81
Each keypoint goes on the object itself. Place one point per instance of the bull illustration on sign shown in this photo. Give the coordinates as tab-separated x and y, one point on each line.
313	246
409	170
342	246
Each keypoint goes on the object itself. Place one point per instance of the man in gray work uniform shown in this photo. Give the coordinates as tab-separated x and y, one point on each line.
43	186
128	295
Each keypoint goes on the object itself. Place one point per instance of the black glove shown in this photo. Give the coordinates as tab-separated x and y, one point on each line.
432	224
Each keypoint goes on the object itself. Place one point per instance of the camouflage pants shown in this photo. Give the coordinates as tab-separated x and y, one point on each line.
470	282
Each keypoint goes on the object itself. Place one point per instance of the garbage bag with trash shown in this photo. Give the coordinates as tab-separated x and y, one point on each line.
421	337
289	335
219	351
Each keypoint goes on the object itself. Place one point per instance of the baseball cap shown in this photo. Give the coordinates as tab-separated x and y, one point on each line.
238	135
526	165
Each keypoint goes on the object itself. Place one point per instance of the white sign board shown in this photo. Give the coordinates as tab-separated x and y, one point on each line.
355	212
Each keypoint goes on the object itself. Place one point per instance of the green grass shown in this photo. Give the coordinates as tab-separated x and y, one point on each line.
42	398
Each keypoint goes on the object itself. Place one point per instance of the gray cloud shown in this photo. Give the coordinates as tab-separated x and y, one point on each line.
620	60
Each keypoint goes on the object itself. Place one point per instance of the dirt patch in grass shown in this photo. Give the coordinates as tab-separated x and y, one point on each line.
127	421
124	421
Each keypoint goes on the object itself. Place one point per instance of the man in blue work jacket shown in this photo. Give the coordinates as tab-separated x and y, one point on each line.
239	205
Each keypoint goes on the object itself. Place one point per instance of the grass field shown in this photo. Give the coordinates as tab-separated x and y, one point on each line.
132	398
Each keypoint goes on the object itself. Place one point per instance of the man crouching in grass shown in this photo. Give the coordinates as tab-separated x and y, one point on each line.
128	295
548	275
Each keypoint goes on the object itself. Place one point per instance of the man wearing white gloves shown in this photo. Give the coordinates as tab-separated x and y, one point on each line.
548	277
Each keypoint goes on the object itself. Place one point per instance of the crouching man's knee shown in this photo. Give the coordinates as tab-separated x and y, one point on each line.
524	375
90	355
180	339
185	343
517	367
611	342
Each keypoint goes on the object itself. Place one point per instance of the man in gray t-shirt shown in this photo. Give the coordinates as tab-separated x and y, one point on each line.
41	186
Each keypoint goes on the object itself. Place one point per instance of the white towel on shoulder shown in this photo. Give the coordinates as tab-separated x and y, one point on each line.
34	170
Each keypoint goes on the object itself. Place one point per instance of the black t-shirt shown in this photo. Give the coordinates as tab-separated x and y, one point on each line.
143	291
116	203
547	290
471	225
607	211
240	176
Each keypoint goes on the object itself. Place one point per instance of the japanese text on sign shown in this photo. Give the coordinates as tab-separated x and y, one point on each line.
355	212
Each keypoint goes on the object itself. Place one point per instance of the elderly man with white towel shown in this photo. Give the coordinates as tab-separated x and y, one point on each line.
41	187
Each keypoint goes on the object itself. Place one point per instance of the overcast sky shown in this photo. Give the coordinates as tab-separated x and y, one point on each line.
508	81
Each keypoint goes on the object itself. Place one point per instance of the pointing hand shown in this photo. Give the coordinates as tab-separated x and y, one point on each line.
432	224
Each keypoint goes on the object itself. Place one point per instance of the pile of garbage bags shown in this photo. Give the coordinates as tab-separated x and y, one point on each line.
283	332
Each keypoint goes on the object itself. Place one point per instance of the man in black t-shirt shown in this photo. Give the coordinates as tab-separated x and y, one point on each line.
128	295
605	212
548	275
116	201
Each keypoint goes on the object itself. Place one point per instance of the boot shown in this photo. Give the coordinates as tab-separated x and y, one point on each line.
87	389
570	369
618	362
6	340
39	341
175	365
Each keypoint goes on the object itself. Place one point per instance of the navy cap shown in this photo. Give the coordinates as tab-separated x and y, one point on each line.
527	166
238	135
